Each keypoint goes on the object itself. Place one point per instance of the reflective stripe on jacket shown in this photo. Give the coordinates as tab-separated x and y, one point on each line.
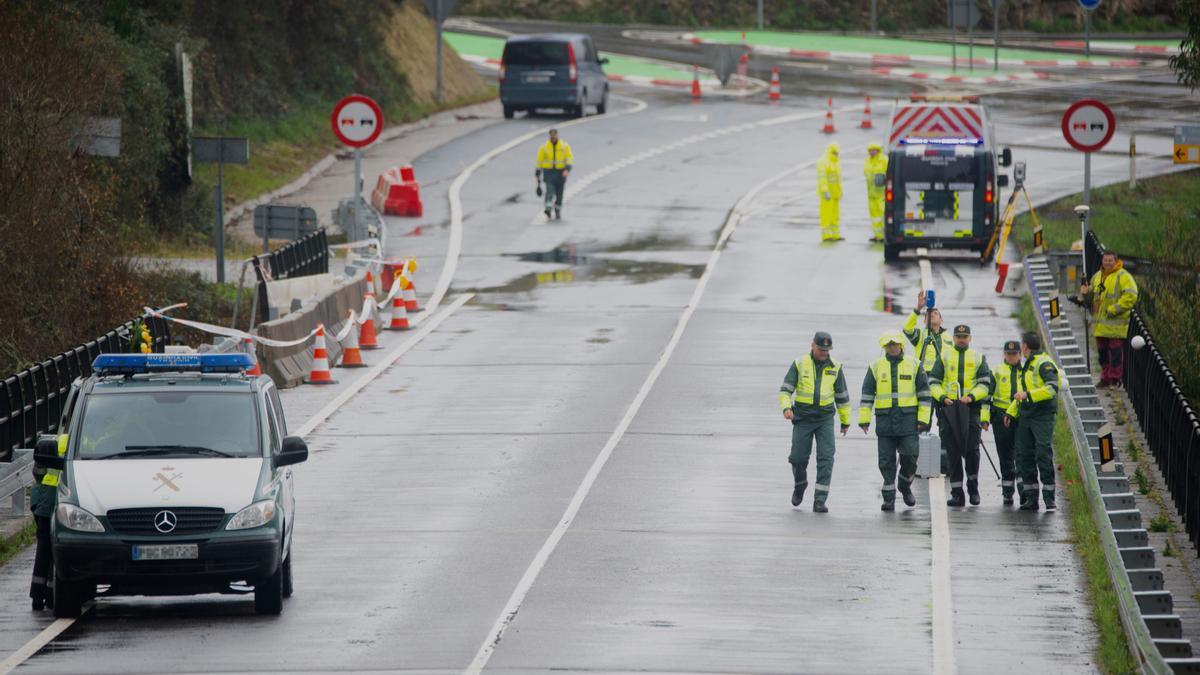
816	389
557	156
947	380
871	167
899	383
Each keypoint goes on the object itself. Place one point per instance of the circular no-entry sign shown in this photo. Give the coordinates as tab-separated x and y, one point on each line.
1088	125
357	121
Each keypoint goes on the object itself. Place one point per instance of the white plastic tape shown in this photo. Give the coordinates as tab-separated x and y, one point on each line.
231	332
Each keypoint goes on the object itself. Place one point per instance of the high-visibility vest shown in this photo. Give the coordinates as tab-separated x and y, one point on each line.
806	370
555	156
1113	301
902	394
1032	382
52	475
949	385
871	167
1007	378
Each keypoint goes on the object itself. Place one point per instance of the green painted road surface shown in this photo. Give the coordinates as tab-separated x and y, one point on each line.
492	47
867	45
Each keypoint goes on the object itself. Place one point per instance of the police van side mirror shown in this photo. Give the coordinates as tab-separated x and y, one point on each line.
293	451
880	180
1006	157
1002	180
45	453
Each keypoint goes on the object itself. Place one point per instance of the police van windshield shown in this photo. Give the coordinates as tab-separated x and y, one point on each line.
169	424
939	193
535	54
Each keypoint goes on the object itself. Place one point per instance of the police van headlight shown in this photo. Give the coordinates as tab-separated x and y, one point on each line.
255	515
74	518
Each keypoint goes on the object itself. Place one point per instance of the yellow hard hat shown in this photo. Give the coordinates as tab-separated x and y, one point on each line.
874	145
890	337
833	148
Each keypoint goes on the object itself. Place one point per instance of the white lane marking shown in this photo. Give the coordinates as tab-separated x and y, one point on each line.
454	195
425	329
40	640
939	568
492	640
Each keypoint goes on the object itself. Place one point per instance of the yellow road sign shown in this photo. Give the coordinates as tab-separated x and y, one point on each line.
1186	154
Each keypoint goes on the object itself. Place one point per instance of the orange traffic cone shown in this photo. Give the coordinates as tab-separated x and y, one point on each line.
410	294
248	347
366	335
774	91
399	319
828	128
351	354
866	120
695	83
320	371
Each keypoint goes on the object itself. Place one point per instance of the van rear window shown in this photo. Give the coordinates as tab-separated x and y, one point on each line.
535	54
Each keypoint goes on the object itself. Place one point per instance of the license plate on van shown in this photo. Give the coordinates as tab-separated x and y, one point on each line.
166	552
537	79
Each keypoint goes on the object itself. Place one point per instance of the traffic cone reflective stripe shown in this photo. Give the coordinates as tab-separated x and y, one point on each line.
320	371
866	120
410	295
366	334
248	347
351	354
774	91
399	315
695	83
828	128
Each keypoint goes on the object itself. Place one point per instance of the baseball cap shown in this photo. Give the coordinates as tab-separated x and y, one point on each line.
888	338
1012	346
823	340
962	329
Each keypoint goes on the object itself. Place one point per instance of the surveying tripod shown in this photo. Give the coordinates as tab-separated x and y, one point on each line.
1006	219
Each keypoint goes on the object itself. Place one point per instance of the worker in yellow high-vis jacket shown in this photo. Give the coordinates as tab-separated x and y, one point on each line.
1032	410
897	388
1111	296
875	166
829	192
554	162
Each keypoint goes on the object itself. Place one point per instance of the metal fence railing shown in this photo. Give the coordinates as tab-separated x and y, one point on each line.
1166	418
31	400
304	257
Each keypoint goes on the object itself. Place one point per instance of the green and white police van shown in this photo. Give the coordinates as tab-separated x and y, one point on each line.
176	480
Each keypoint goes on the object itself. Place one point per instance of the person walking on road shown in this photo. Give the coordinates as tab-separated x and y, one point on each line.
812	389
897	388
1111	296
929	340
1003	385
959	381
1032	410
554	161
829	191
875	165
43	498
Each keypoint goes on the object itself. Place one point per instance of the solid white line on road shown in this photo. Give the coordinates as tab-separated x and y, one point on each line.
939	569
40	640
454	195
492	640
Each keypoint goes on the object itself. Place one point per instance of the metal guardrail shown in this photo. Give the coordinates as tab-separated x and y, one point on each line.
15	476
1154	632
306	256
31	401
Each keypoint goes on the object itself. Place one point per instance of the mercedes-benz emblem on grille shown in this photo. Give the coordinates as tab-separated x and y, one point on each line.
165	521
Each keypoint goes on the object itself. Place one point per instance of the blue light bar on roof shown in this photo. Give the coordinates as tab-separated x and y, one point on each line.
133	364
941	141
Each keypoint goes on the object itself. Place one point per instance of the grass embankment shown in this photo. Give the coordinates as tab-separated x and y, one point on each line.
14	544
1112	649
1159	220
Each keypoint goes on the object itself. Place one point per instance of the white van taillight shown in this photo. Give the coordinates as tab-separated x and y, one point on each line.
988	195
887	191
572	68
502	69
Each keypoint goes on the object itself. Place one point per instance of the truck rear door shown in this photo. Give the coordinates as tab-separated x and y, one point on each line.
939	191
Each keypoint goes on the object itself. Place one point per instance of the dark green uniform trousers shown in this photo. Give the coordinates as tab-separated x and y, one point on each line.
804	432
1035	455
889	447
1005	437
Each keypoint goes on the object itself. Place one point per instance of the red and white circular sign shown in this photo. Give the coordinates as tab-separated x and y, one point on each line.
357	121
1088	125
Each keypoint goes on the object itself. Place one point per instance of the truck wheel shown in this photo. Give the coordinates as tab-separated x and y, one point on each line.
268	593
508	112
68	599
288	587
891	252
602	107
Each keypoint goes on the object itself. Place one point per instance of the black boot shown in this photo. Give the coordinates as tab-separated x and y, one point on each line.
956	498
1008	499
973	492
1029	502
819	507
547	213
798	494
1049	501
557	213
888	506
909	498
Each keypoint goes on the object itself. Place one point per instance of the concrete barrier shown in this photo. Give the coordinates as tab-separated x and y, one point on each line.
288	366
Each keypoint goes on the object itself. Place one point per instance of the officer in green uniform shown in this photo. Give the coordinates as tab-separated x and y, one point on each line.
960	377
930	339
43	498
897	388
1033	408
814	386
1004	381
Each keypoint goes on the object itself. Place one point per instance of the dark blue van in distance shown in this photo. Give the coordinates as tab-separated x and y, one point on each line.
552	70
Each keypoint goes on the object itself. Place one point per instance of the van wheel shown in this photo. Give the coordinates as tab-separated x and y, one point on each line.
602	106
268	593
68	599
891	252
508	112
288	587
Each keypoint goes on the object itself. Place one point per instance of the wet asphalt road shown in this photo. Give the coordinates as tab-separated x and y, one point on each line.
429	494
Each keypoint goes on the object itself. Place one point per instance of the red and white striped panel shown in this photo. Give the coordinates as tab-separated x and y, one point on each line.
936	121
